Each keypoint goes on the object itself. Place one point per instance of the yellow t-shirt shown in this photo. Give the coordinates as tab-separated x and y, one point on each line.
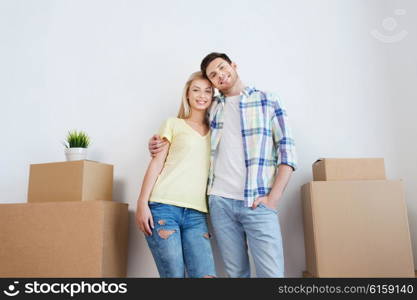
183	180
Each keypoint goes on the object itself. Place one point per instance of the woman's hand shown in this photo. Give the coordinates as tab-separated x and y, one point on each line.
144	219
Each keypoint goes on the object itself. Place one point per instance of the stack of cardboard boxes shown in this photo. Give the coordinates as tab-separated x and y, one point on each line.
70	226
355	221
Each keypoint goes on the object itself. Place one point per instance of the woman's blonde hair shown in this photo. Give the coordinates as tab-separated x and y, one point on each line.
185	109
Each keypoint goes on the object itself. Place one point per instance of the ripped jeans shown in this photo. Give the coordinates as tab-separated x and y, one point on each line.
180	242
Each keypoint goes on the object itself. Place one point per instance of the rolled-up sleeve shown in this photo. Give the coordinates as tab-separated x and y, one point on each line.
283	139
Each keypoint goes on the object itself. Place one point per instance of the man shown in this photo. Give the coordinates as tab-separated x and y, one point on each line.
252	159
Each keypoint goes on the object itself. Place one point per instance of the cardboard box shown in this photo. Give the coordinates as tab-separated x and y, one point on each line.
64	239
356	229
327	169
80	180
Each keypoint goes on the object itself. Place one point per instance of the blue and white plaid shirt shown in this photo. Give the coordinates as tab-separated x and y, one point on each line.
267	140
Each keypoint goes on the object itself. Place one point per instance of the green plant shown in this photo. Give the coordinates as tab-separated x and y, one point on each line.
77	139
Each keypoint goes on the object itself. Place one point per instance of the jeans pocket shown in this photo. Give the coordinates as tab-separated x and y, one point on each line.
267	208
156	207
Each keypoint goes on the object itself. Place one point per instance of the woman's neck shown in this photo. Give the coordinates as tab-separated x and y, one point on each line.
197	116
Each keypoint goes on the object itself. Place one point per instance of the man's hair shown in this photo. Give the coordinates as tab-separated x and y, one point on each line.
209	58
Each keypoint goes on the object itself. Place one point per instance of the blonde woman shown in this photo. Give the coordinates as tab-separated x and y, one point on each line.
171	208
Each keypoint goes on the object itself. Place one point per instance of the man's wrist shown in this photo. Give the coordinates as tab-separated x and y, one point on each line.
274	196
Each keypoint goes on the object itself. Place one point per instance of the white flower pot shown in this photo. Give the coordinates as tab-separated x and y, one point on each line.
75	153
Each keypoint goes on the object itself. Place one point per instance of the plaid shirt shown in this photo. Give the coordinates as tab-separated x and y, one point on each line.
267	140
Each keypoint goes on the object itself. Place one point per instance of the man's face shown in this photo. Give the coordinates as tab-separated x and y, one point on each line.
222	74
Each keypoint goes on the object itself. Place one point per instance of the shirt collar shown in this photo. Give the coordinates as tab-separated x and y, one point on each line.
247	91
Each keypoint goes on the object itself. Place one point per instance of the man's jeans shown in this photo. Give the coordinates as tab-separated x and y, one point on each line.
236	226
185	245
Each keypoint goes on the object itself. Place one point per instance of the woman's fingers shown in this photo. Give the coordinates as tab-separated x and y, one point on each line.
147	229
151	221
143	225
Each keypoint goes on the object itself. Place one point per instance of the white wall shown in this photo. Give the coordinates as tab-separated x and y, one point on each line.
402	107
116	69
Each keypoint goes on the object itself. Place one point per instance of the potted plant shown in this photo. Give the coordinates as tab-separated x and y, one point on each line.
76	145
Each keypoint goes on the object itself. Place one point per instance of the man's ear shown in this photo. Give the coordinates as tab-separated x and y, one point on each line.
234	65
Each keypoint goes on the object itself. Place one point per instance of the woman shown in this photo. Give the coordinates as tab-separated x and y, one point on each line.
171	209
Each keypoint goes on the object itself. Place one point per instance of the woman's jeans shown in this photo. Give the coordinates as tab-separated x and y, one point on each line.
180	242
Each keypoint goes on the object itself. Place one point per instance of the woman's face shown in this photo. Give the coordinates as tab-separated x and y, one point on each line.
200	94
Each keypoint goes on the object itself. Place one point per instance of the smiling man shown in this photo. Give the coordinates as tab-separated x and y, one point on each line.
252	159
